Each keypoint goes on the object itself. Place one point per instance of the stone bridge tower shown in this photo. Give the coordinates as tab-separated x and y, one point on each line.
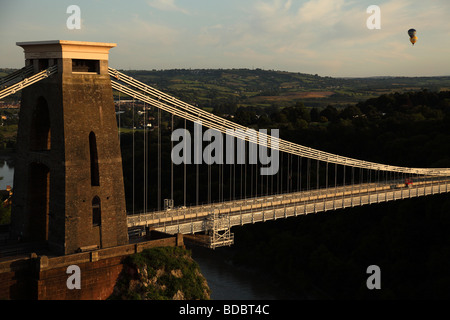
68	183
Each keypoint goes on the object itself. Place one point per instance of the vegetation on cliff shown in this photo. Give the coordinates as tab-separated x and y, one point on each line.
5	214
166	273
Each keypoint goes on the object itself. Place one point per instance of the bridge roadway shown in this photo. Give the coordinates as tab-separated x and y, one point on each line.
196	219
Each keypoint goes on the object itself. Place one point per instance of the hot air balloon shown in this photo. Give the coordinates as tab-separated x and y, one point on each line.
412	36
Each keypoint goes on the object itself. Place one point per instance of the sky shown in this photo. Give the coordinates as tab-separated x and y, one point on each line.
324	37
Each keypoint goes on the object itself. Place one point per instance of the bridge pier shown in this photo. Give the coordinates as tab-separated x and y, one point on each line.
68	184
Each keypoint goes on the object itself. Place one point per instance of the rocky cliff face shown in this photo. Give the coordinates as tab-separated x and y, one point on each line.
167	273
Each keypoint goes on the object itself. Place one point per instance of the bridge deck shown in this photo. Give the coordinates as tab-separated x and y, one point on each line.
193	219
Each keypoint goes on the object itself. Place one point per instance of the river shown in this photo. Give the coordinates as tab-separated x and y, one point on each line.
230	282
6	172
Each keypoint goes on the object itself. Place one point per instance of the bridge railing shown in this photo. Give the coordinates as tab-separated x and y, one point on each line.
290	210
340	197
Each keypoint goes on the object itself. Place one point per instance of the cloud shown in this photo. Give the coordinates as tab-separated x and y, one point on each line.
323	36
328	11
166	5
143	43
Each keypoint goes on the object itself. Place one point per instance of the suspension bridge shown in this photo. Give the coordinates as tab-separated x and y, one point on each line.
315	181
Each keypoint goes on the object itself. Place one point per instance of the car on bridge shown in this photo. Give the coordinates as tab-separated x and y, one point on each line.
408	184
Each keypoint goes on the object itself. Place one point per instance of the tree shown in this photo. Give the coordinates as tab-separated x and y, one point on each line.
351	112
330	112
5	214
315	115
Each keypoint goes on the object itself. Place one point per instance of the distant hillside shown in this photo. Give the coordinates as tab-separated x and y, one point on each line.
212	88
245	87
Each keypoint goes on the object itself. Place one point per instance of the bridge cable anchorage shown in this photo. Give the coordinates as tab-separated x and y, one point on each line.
170	104
21	84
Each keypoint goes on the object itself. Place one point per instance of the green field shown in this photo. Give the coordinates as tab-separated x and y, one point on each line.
215	88
244	87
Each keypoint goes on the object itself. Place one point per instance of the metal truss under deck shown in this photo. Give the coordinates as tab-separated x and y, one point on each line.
214	229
